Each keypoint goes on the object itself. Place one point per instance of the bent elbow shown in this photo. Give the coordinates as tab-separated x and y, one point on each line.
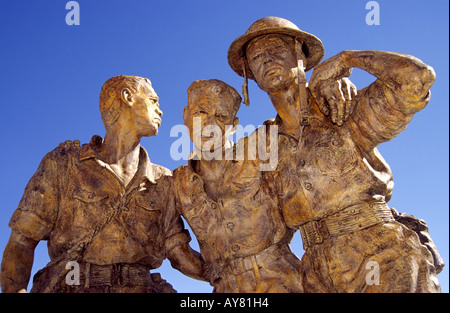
419	86
428	77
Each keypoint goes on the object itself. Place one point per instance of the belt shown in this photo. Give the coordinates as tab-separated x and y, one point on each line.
237	266
120	274
350	219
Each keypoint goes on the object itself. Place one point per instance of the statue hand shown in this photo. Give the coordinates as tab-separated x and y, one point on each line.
332	89
336	97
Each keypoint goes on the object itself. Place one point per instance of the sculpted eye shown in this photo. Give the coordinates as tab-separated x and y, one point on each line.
200	112
256	56
222	116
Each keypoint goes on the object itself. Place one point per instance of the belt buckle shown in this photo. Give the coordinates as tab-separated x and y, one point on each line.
322	230
313	233
317	237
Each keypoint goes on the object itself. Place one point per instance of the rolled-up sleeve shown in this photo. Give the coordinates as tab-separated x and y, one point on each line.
380	114
37	210
175	232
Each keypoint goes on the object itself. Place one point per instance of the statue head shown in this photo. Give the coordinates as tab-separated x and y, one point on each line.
273	39
130	101
211	112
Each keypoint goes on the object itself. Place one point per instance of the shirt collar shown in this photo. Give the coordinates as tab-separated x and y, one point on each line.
145	168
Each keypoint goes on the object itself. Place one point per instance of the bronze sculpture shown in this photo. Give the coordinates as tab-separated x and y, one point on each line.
331	181
243	239
96	206
107	208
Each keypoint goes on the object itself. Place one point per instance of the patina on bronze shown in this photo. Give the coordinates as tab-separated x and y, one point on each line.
96	205
331	181
242	236
107	208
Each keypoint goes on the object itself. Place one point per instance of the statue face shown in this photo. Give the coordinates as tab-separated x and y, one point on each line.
272	61
146	111
209	118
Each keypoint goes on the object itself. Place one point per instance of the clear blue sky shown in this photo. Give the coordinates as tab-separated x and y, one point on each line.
51	75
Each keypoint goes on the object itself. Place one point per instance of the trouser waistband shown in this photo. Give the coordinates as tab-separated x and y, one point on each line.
238	266
119	274
352	218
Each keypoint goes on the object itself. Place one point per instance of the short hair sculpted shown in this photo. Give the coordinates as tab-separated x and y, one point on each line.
217	87
110	100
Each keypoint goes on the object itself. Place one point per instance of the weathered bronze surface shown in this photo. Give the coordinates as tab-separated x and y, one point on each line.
96	205
332	183
314	168
236	219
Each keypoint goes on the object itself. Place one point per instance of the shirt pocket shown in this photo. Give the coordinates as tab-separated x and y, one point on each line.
89	196
143	214
89	206
334	155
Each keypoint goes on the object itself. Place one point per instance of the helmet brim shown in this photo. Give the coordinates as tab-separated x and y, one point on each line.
311	45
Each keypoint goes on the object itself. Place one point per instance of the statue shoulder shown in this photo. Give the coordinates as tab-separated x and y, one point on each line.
160	171
64	151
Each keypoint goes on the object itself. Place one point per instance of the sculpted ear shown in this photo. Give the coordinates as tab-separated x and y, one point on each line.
185	115
235	122
127	96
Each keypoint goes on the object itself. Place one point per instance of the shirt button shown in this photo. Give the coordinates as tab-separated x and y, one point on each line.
235	248
230	225
336	143
294	147
213	205
308	186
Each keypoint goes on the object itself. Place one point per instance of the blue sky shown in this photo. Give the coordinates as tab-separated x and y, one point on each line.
51	75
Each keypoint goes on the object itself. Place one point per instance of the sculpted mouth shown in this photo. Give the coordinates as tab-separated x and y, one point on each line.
274	70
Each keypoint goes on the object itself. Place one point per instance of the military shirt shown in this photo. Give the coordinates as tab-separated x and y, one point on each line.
331	167
73	191
243	220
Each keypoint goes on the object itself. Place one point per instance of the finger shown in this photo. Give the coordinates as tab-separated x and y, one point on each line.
328	92
332	103
345	89
323	107
347	93
351	105
340	102
341	112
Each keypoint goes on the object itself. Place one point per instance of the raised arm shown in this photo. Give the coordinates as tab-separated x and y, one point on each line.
385	107
407	76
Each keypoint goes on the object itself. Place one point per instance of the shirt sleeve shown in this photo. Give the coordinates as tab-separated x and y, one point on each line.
175	232
38	208
380	114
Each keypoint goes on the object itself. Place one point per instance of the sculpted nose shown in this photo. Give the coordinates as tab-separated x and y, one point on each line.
159	112
267	58
210	120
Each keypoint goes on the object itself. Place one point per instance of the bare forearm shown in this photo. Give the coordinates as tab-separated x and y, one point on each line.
17	263
187	261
